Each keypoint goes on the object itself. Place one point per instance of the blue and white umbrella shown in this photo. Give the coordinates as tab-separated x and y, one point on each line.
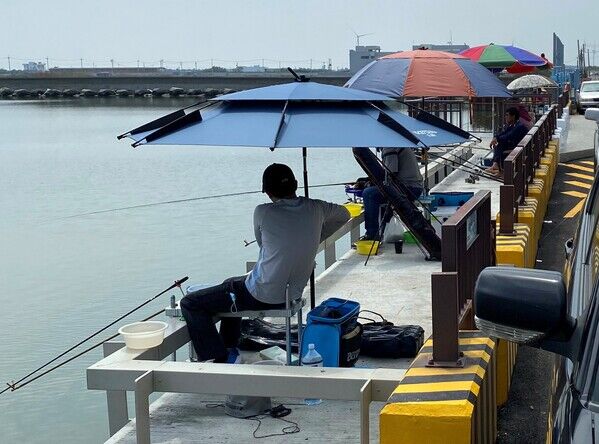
298	115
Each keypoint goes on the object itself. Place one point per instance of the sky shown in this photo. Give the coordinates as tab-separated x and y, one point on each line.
224	32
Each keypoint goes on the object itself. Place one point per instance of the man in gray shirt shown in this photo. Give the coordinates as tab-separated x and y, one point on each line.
403	164
288	232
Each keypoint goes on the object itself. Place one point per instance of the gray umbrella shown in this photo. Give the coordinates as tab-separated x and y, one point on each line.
531	81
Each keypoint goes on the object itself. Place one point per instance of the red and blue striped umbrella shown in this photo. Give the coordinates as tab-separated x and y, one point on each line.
503	56
426	73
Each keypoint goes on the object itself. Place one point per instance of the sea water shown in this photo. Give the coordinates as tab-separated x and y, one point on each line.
63	277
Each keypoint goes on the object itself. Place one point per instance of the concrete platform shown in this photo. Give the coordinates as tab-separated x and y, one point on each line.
395	285
187	419
398	286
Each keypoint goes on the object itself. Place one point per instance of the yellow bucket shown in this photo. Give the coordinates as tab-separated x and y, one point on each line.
355	209
364	247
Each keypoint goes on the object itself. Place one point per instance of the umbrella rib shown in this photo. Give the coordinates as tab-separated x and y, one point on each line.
393	124
186	120
163	121
280	126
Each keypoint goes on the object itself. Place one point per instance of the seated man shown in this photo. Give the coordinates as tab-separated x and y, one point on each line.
403	164
288	232
507	139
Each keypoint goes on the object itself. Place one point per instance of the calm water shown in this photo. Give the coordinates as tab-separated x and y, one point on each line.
61	279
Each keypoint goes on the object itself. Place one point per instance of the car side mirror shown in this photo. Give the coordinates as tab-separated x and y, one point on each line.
525	306
592	114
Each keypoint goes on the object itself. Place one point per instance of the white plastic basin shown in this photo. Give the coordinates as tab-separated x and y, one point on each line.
146	334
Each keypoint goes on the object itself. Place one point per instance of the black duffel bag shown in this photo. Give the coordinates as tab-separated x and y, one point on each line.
385	340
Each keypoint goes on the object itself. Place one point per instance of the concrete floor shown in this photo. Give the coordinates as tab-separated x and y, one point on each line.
395	285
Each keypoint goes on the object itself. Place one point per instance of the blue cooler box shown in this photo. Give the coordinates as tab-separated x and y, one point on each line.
325	327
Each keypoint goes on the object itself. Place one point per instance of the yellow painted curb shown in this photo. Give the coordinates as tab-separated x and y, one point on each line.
437	405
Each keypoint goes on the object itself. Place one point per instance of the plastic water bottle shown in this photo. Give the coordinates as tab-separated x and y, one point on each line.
312	359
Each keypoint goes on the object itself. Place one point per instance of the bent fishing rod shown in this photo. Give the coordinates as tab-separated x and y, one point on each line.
13	385
191	199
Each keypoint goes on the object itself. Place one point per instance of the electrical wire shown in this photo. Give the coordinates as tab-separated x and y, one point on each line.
288	430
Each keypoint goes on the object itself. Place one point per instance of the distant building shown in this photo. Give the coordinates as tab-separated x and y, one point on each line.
446	48
363	55
34	67
558	51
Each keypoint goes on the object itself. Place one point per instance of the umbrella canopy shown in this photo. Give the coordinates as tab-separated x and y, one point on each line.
422	73
297	115
503	56
302	91
518	68
531	81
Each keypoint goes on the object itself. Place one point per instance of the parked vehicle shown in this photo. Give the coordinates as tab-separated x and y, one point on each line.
588	95
593	114
558	313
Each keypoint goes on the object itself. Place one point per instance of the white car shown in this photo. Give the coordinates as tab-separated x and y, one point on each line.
593	114
588	95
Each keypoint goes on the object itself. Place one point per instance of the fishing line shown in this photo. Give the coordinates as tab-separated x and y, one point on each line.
191	199
12	385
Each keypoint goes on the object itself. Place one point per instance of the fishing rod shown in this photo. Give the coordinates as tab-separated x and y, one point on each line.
14	385
473	171
167	202
464	160
177	283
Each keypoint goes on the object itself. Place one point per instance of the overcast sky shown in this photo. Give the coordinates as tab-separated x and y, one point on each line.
276	30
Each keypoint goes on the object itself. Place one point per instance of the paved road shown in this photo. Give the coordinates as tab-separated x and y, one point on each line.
580	139
524	418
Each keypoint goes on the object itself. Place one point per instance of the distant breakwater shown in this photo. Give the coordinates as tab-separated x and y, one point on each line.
50	93
33	86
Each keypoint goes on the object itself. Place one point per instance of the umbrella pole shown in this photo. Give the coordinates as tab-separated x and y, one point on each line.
425	155
307	194
493	115
305	159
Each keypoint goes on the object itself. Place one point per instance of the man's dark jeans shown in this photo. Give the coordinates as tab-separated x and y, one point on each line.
199	307
500	152
373	199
